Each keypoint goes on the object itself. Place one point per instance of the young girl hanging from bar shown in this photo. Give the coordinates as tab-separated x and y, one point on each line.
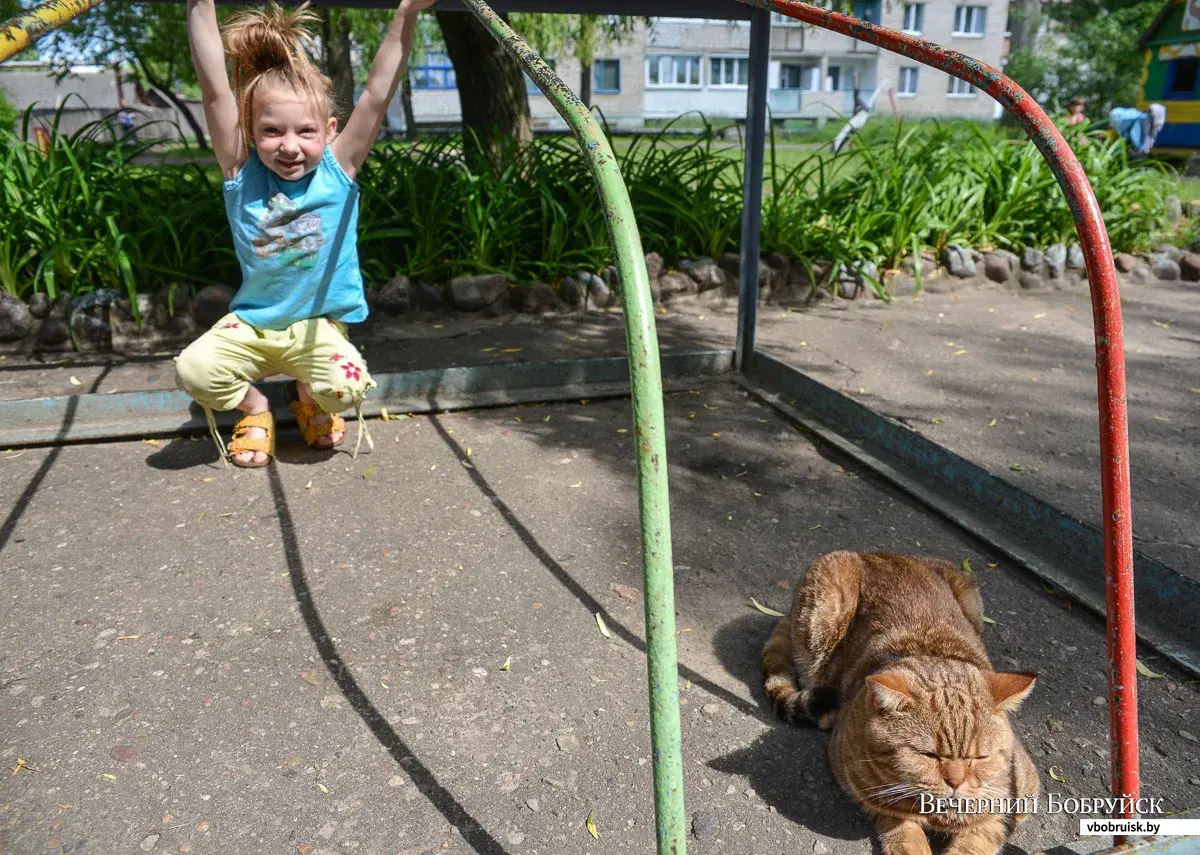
292	204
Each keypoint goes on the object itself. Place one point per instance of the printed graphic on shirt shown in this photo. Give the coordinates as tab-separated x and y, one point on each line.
288	233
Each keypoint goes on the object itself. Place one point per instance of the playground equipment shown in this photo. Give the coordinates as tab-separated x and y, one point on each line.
757	370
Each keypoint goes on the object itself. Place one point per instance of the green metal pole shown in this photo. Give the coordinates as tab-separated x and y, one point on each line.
649	428
23	30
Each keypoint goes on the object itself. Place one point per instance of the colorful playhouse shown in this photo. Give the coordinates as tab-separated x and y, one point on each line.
1172	71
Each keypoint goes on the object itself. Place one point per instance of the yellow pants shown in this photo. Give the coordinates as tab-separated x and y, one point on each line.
218	367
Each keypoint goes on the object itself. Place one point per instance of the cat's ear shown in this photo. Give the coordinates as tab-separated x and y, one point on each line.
888	692
1008	690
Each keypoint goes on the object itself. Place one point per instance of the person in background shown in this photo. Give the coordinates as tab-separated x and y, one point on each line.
1075	108
1138	129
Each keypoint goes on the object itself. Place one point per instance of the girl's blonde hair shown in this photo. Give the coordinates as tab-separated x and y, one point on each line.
266	48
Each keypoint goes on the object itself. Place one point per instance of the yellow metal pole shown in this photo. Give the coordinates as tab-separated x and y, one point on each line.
23	30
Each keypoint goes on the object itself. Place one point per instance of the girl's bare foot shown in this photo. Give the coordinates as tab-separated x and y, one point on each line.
255	402
322	418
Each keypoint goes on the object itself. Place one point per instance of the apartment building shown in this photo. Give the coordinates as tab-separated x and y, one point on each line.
677	65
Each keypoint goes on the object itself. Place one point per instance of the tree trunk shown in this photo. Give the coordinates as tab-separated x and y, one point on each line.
411	133
180	105
335	31
491	87
1024	20
585	52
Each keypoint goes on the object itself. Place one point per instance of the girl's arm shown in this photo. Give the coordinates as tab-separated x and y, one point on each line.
353	144
220	106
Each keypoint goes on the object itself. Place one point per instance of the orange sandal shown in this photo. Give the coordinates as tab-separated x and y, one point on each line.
306	415
242	443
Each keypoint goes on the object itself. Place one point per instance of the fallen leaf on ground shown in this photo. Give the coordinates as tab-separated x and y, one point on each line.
515	350
1146	672
1165	325
546	419
1054	774
993	565
507	664
716	435
986	619
110	777
370	470
959	352
310	677
967	565
324	788
204	480
127	637
75	381
591	825
766	611
622	430
1160	418
153	442
814	527
1040	315
602	625
1017	467
937	421
384	414
486	349
466	464
992	423
308	486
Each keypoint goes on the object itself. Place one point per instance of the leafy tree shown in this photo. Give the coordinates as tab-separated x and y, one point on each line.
1090	49
149	38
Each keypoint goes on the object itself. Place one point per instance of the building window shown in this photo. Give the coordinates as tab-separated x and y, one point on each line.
908	81
531	88
606	76
791	77
834	78
960	88
670	70
436	73
970	21
868	10
729	71
1181	79
914	18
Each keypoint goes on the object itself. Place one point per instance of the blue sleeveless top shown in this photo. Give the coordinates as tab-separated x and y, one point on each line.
297	244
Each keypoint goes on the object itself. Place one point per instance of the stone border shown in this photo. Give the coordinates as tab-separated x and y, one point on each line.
103	320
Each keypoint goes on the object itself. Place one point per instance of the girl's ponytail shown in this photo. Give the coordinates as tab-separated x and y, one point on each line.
267	47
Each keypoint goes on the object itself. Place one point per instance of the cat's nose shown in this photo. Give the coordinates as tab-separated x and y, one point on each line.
954	774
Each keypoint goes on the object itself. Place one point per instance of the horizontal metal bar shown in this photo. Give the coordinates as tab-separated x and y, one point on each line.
74	418
1047	541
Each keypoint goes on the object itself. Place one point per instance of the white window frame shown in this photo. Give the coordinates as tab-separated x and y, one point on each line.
918	10
724	59
971	16
955	86
915	76
675	58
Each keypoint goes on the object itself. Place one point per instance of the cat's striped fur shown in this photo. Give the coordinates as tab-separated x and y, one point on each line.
888	652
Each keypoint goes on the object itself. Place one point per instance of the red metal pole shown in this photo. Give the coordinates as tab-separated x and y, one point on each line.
1110	354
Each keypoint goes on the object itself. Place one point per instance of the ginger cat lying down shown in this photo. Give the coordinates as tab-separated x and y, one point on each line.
888	651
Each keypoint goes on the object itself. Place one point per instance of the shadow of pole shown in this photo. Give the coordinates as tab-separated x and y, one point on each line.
475	835
26	497
471	467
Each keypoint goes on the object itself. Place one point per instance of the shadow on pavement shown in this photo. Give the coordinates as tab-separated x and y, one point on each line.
475	835
567	581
